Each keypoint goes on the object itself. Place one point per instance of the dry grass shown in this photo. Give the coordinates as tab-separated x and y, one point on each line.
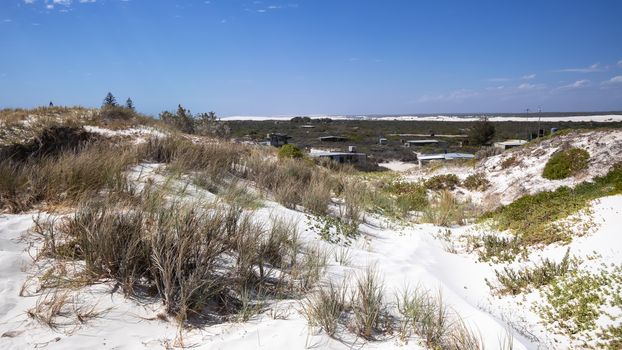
368	304
194	259
325	307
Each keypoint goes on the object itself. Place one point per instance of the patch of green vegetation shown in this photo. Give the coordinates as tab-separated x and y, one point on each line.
496	249
518	281
612	337
476	182
577	300
290	151
408	196
442	182
566	163
334	229
532	218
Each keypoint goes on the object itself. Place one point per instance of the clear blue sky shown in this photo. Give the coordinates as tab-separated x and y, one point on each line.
240	57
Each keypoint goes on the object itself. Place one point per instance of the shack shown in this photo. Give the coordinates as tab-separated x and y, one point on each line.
333	139
443	157
278	140
431	142
341	157
507	144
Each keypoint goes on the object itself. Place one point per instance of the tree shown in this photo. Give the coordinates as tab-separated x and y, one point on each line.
181	120
129	104
482	132
109	101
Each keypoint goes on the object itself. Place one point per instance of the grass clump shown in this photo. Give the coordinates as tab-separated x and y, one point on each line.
368	304
532	217
325	308
442	182
429	317
566	163
195	259
445	209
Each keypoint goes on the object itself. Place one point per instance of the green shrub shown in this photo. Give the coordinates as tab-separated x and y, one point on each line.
476	182
566	163
532	217
409	196
290	151
514	282
442	182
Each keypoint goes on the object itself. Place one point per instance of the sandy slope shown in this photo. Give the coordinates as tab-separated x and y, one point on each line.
404	255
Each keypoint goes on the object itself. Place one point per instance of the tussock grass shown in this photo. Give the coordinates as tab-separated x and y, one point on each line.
445	209
368	304
428	316
325	307
194	259
65	178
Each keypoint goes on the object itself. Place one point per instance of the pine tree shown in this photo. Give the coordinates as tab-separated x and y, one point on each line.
109	101
129	104
482	132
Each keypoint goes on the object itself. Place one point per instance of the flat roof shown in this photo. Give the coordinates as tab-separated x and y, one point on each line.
328	153
424	141
511	142
446	156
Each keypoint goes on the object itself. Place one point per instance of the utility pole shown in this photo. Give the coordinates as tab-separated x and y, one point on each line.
539	121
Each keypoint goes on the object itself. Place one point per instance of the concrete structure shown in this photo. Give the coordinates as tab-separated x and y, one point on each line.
278	140
507	144
430	142
443	157
341	157
382	141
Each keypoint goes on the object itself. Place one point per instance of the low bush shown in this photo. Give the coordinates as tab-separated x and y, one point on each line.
533	217
408	196
476	182
442	182
514	282
290	151
496	249
566	163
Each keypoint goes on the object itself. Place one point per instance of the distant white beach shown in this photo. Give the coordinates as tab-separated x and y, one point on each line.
448	118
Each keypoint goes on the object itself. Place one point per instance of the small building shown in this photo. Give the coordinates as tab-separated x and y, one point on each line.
422	143
333	139
278	140
443	157
507	144
341	157
307	126
383	142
